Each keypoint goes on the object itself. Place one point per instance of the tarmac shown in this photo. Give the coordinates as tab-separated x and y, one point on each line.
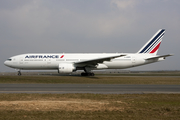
88	88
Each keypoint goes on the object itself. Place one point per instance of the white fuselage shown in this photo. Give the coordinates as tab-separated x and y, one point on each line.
67	63
48	61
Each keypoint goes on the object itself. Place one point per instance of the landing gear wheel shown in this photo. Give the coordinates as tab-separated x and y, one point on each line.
83	74
91	74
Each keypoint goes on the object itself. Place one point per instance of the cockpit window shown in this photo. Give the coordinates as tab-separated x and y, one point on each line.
9	59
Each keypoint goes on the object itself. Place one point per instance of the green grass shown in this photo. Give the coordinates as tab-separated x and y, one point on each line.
131	106
91	80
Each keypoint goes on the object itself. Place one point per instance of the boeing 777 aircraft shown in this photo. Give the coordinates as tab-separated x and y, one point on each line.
68	63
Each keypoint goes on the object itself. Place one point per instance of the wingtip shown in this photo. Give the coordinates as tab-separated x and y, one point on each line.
171	54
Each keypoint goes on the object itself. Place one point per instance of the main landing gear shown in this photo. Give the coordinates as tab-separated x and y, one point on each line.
87	74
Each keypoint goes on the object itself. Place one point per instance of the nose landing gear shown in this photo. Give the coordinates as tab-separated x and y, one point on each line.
19	73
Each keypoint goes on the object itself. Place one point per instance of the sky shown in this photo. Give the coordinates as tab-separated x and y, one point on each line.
89	26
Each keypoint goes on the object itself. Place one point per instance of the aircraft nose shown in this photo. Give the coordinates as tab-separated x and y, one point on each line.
5	63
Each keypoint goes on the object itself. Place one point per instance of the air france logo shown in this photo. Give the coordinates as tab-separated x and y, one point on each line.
62	56
43	56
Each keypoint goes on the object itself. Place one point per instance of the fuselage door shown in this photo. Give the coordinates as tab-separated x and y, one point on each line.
48	61
21	60
133	59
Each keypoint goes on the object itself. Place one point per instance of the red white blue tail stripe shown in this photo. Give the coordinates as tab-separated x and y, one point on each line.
153	44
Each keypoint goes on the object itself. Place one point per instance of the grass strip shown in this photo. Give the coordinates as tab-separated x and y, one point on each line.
89	106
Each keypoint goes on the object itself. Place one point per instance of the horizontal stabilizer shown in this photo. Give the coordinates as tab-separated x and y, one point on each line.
162	56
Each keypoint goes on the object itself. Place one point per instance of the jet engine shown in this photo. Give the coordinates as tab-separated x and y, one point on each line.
66	68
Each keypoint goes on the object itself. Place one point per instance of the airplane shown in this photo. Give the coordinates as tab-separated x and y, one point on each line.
71	62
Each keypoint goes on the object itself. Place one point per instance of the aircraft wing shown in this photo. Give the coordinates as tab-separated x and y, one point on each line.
162	56
93	62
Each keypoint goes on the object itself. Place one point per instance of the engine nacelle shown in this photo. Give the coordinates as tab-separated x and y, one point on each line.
66	68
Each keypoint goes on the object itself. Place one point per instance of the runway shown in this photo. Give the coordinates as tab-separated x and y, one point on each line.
88	88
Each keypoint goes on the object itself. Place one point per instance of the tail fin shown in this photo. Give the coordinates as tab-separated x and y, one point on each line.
153	44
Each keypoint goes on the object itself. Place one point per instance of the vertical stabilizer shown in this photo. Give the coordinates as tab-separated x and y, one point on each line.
153	44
